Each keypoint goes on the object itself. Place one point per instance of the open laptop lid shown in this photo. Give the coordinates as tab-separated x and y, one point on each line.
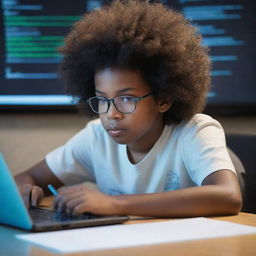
13	210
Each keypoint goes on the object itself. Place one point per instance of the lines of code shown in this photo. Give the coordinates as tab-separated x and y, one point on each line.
31	32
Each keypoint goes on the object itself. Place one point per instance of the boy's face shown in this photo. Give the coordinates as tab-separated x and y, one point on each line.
141	128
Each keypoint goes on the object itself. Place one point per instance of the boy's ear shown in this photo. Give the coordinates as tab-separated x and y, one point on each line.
164	105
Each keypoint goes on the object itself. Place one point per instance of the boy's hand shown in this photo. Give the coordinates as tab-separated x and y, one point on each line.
31	194
80	199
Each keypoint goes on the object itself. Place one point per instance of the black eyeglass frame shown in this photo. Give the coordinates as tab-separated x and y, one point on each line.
135	99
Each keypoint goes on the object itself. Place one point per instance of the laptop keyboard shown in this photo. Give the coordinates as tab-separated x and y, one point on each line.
39	214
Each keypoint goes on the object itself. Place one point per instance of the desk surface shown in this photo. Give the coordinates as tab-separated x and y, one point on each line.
229	246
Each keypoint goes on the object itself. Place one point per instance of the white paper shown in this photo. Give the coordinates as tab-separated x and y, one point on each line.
127	235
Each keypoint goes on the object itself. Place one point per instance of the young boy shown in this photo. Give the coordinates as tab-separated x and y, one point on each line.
142	68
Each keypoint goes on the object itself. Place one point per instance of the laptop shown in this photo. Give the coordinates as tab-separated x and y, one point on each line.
14	212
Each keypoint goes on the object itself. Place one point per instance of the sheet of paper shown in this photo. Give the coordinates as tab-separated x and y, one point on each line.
121	236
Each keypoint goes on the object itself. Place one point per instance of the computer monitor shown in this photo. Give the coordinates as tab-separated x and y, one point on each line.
30	33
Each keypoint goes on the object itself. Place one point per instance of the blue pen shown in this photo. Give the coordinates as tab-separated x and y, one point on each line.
53	190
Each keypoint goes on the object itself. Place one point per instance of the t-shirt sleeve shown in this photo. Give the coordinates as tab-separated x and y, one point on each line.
204	150
71	163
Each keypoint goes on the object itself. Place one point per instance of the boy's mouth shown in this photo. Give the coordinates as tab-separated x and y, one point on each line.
115	132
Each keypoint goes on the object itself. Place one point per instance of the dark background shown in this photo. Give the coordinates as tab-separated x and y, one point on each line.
228	28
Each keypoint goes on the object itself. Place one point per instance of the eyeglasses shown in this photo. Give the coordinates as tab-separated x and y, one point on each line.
124	104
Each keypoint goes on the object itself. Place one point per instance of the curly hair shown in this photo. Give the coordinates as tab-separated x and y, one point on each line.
138	35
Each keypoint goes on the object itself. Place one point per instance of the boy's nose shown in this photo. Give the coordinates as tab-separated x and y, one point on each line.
113	112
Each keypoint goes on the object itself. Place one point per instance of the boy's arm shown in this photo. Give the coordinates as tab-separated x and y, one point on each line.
33	182
219	195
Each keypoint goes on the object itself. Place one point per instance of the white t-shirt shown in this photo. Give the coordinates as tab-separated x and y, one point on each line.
183	156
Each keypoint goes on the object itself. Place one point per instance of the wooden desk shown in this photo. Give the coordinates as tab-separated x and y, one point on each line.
229	246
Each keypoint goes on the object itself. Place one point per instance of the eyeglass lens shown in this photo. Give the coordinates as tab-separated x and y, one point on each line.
124	104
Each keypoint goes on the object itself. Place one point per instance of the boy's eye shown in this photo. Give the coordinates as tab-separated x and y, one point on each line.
102	100
127	98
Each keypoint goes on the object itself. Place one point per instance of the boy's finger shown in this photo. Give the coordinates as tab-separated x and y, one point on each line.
58	206
36	195
26	192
